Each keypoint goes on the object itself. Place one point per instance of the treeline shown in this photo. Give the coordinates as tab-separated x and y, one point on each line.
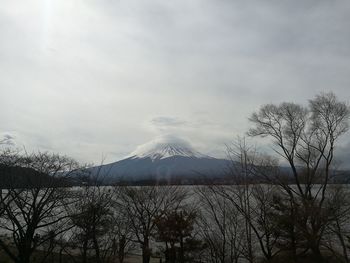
273	221
212	223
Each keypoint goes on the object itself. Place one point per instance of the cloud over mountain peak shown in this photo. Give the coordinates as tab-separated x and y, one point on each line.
165	146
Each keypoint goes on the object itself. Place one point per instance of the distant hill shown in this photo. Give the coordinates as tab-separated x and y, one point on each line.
21	177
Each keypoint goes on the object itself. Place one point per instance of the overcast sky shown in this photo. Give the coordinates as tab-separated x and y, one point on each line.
93	78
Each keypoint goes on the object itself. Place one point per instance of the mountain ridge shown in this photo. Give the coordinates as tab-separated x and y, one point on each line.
165	158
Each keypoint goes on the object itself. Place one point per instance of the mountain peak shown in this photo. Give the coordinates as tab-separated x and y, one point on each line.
165	147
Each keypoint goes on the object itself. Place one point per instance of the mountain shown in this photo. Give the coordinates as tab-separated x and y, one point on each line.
164	160
24	177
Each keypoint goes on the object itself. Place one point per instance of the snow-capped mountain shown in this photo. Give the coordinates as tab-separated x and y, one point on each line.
163	159
165	147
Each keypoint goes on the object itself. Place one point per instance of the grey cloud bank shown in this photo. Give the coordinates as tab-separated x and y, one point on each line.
97	78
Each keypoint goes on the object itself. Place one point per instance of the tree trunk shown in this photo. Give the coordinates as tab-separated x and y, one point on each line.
146	252
121	253
85	251
25	252
316	252
97	250
60	255
182	256
293	245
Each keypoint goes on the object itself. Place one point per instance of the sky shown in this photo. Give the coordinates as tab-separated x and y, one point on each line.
94	79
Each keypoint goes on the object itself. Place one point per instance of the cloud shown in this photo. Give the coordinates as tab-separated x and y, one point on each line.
7	139
159	142
87	78
164	122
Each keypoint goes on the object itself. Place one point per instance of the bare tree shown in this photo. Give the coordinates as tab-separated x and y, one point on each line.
177	230
306	137
337	230
143	205
32	211
92	218
253	201
122	232
220	225
243	159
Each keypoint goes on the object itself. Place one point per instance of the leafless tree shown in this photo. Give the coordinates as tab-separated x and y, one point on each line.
100	229
143	205
122	232
92	217
177	230
337	230
306	138
252	200
32	211
220	225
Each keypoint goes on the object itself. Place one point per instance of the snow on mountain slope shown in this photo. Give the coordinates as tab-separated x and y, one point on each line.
164	158
165	147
